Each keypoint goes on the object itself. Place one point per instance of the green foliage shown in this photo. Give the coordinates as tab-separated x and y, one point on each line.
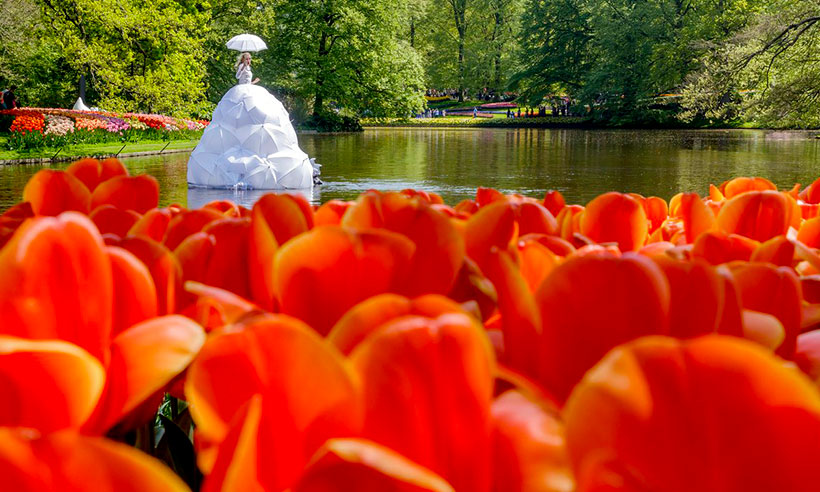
468	44
139	55
330	121
345	53
618	55
767	74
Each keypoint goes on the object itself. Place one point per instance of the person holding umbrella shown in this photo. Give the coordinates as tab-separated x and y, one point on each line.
243	69
250	142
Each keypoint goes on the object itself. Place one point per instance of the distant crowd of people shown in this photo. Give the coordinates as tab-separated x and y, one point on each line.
485	94
8	99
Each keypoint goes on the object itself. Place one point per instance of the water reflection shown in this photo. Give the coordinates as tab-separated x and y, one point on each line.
197	197
453	162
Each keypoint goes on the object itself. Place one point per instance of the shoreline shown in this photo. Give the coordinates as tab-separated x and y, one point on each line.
100	151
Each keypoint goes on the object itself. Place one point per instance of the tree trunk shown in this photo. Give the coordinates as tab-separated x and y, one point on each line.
412	33
499	25
460	67
319	98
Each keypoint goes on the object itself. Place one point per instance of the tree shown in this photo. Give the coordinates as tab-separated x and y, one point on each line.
138	55
348	53
773	61
618	55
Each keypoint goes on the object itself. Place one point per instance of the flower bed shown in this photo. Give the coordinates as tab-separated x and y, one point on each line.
396	342
55	127
499	105
470	113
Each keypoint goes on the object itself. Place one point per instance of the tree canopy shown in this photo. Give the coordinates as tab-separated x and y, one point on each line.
622	61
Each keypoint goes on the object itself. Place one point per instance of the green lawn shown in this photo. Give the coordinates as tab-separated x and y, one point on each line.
93	149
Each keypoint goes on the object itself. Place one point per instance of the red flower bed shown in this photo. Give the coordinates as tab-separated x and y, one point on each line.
396	342
29	122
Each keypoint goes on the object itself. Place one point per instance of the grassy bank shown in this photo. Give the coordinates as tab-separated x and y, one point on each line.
91	150
470	122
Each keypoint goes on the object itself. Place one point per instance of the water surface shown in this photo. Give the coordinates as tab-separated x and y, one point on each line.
453	162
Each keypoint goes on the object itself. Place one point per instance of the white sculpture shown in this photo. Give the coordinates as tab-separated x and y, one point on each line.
250	144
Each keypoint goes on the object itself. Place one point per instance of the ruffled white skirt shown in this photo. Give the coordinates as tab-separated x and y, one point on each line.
250	144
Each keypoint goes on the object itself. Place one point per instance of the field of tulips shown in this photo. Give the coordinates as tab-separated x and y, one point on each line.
395	343
33	128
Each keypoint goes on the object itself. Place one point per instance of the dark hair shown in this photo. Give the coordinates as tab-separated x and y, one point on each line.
13	87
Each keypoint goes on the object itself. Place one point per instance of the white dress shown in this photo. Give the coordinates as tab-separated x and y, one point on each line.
250	144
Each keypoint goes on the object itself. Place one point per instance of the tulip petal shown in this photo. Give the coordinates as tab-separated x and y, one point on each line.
137	193
529	450
427	387
163	266
187	223
698	298
112	220
53	192
152	225
57	283
711	398
439	250
47	385
615	217
772	290
366	317
69	462
135	297
758	215
335	268
309	394
590	304
144	359
358	464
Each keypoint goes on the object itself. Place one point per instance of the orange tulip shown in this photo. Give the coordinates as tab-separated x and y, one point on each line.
697	217
718	247
737	186
152	225
775	291
554	201
112	220
54	192
439	248
321	274
427	387
615	217
69	462
12	218
590	304
713	399
364	318
248	397
66	323
529	447
703	299
92	172
187	223
137	193
777	251
758	215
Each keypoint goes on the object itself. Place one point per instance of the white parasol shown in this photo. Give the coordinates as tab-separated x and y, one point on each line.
246	42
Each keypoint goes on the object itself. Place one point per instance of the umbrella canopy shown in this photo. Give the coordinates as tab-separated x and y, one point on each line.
246	42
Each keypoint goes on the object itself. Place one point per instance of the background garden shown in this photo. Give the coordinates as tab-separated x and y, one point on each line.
621	62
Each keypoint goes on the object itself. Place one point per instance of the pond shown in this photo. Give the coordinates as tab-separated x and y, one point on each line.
453	162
